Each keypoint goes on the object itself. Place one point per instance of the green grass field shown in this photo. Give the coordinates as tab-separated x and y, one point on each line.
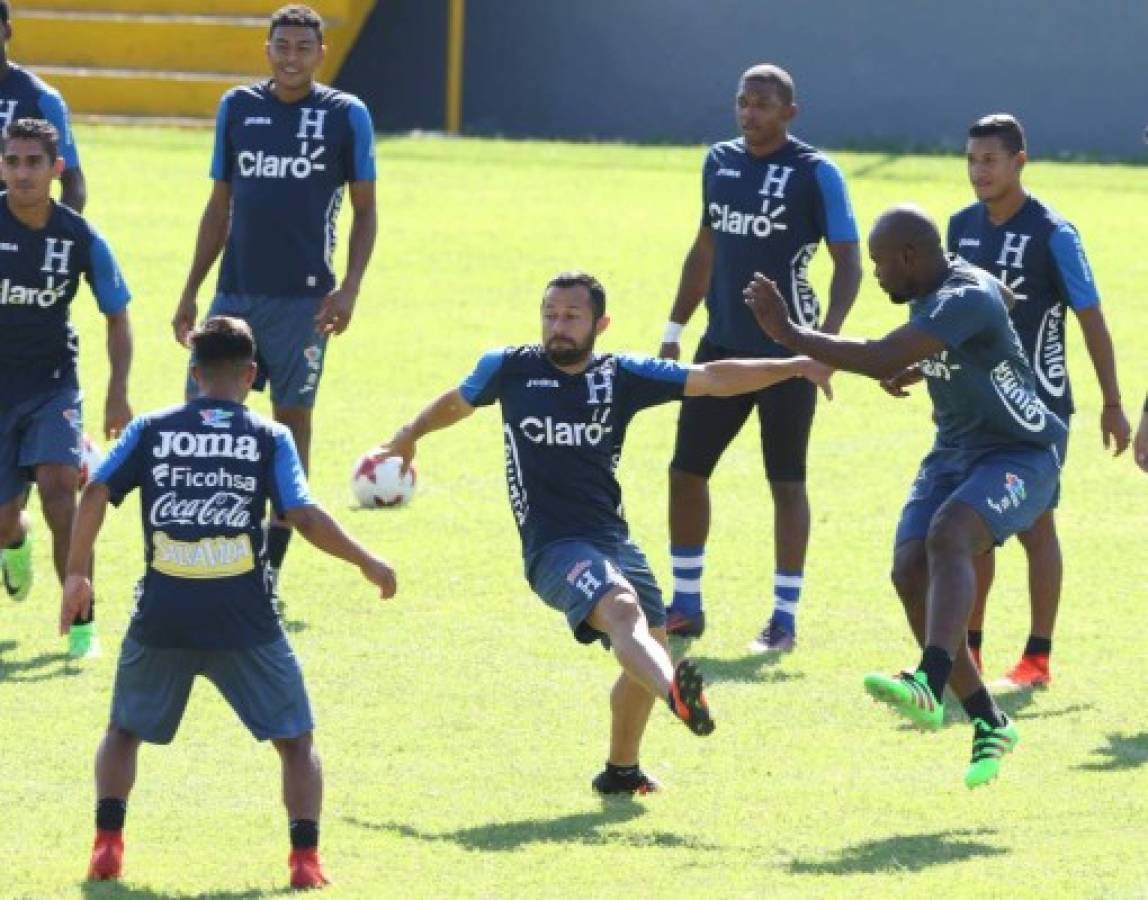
460	725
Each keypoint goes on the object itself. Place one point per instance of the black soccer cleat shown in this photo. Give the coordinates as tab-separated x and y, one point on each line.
687	699
609	783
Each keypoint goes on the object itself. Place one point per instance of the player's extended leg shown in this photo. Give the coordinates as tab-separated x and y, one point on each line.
298	420
16	547
985	566
1045	577
303	798
116	761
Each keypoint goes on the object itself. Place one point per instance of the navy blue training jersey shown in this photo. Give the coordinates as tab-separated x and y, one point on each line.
39	276
768	214
205	471
563	436
24	96
1038	254
982	386
287	164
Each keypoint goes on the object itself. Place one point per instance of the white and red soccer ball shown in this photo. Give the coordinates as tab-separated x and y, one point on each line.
91	457
378	481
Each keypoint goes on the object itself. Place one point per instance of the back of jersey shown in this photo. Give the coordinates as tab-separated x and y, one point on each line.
205	472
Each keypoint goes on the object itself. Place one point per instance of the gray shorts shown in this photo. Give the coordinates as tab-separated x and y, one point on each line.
290	352
263	684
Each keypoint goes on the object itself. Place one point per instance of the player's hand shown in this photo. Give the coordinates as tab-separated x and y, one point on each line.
76	601
768	307
401	445
1141	448
819	374
336	310
184	319
1115	429
117	414
379	573
670	350
895	385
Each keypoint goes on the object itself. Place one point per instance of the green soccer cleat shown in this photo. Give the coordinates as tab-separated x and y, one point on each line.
989	746
909	694
16	567
83	642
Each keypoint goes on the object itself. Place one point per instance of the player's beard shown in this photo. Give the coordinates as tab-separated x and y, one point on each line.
568	353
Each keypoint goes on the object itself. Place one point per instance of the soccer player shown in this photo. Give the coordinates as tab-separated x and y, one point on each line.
284	149
24	96
993	469
768	201
44	249
205	472
565	410
1039	255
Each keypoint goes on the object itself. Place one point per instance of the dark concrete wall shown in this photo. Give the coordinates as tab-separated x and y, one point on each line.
878	73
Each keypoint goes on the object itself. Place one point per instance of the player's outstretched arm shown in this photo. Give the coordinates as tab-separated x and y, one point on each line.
1115	430
77	596
117	409
448	409
879	359
729	377
213	228
317	526
692	287
895	386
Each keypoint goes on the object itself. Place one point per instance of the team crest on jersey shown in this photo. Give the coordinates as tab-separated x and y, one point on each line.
216	418
1014	494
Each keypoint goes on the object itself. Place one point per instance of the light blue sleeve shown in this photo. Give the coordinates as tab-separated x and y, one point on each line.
481	387
363	137
1075	273
221	154
666	371
55	110
121	468
112	294
840	223
290	488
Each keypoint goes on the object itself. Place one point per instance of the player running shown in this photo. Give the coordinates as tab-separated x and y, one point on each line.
1039	255
24	96
284	149
205	472
45	247
768	201
565	410
992	472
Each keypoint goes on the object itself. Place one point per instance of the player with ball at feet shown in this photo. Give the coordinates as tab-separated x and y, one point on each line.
565	411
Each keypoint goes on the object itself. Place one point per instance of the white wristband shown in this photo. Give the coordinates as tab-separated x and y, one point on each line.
673	333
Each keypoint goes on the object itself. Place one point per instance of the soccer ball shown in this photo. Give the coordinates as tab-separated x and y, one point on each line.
376	482
91	457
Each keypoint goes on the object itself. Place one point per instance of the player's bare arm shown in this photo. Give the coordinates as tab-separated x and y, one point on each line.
729	377
117	409
73	189
878	359
895	386
448	409
695	281
77	595
844	284
1115	429
323	532
338	307
213	228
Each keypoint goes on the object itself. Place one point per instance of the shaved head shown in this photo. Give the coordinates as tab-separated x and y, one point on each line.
908	225
775	76
906	249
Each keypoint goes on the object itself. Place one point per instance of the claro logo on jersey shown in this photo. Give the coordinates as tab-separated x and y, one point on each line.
23	295
553	433
203	446
258	164
1019	399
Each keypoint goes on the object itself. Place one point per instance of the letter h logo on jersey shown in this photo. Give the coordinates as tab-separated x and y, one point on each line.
57	253
311	124
599	387
7	112
1012	256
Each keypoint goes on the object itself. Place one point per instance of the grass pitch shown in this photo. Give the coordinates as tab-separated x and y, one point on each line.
459	724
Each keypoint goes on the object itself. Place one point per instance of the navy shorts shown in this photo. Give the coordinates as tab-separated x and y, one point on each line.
45	428
1009	488
263	684
573	576
290	351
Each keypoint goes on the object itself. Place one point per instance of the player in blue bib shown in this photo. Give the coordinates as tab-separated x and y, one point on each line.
1039	255
24	96
205	471
45	249
768	201
284	151
993	470
565	411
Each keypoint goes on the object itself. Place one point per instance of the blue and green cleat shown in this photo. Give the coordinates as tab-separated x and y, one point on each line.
16	569
910	695
83	642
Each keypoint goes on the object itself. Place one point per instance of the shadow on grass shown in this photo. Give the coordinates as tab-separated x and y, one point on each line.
752	668
588	829
1123	752
35	668
96	890
903	853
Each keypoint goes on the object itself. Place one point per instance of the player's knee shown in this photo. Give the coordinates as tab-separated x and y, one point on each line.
119	735
948	538
58	499
620	610
294	747
909	575
682	481
788	493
